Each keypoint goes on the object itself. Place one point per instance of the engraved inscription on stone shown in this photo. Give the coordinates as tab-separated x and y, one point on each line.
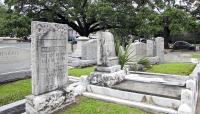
49	64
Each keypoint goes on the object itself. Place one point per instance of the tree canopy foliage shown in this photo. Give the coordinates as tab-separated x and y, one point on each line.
84	16
142	18
12	23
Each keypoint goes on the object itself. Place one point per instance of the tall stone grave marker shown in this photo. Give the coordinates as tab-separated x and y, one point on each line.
150	48
160	48
89	50
49	68
80	41
106	50
108	71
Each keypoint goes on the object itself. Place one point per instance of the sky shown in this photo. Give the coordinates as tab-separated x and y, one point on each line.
1	1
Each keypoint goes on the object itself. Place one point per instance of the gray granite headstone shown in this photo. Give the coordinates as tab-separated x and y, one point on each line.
49	62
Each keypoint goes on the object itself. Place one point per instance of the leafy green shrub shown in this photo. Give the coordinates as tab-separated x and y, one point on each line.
144	62
136	67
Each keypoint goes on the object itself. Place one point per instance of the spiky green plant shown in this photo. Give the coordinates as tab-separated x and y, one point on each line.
124	55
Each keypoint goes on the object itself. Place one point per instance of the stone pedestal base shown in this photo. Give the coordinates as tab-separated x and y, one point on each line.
112	61
48	103
107	78
108	69
77	62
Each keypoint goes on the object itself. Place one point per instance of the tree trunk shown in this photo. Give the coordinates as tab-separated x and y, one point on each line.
84	33
166	37
166	32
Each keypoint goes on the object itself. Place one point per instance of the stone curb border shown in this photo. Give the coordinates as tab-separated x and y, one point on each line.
13	108
13	76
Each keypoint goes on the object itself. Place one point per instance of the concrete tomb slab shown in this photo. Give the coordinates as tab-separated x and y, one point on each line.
155	89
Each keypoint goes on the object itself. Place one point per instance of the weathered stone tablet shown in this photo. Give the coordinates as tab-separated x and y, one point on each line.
49	57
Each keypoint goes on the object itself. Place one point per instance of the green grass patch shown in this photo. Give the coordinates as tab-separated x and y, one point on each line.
17	90
90	106
197	56
81	71
172	68
14	91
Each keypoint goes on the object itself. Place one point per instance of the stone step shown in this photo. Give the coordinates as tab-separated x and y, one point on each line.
164	79
155	89
143	106
135	97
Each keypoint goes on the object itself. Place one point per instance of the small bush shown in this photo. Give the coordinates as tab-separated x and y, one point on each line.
144	62
136	67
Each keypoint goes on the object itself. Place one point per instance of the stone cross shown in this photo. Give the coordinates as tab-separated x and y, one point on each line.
49	57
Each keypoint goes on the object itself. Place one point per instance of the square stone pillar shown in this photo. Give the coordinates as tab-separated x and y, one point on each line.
150	48
160	49
80	41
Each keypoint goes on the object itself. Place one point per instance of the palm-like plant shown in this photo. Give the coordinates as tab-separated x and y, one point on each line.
123	53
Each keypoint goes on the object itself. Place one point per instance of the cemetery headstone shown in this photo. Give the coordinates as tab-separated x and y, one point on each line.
137	51
108	71
80	41
150	48
106	50
49	69
89	50
160	48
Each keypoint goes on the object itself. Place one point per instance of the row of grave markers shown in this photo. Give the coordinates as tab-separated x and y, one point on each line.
49	70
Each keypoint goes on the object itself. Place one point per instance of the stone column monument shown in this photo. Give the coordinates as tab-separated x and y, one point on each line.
150	48
108	71
49	69
80	41
160	48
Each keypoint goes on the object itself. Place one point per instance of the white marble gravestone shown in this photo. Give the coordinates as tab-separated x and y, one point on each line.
80	41
108	72
89	50
49	68
106	50
160	48
150	48
137	51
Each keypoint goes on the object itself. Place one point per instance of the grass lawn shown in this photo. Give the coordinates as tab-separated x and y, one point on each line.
81	71
196	56
14	91
17	90
172	68
90	106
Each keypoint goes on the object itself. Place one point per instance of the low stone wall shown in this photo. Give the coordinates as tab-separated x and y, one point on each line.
13	76
13	108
